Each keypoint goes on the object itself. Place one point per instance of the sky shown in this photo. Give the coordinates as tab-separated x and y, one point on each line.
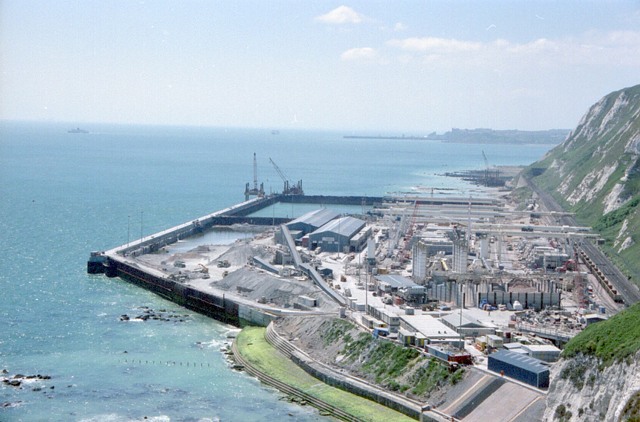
388	66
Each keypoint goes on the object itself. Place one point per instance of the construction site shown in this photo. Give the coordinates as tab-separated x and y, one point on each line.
485	282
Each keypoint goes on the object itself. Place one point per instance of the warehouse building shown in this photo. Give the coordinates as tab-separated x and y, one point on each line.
402	287
335	236
467	325
312	221
520	367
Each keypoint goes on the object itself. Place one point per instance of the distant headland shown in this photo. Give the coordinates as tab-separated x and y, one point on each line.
483	136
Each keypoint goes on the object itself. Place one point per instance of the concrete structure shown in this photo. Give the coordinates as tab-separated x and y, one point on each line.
420	257
533	300
336	235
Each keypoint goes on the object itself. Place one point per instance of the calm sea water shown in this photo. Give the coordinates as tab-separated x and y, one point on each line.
63	195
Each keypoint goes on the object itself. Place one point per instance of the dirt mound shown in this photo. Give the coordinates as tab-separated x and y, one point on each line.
258	285
242	250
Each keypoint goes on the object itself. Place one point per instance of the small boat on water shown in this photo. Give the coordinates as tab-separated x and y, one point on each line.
78	130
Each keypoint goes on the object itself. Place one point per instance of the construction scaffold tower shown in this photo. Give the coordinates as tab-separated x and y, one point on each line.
248	192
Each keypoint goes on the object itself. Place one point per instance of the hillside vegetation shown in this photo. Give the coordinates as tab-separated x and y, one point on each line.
340	343
598	377
595	173
614	340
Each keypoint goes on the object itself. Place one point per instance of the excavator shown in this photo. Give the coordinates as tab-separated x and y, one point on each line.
204	270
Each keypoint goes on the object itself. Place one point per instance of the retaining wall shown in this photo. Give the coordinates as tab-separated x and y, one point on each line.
220	308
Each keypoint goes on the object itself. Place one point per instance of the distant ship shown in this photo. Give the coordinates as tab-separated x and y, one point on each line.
275	132
78	130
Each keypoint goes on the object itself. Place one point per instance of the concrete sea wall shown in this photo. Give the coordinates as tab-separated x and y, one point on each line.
217	307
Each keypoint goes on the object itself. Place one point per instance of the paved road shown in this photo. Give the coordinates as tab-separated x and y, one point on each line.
627	289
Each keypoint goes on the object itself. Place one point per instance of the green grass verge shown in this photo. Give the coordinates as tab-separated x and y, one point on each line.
254	348
612	341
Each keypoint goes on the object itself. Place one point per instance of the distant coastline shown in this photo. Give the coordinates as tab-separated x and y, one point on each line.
482	136
384	137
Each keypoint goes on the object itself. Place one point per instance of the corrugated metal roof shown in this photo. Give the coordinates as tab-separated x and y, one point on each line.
541	348
467	321
345	226
395	280
430	326
316	218
522	361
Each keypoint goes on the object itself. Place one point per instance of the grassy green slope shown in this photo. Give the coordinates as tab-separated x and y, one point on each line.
597	143
611	341
253	347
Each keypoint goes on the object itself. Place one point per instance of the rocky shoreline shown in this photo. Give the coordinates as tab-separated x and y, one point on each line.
21	382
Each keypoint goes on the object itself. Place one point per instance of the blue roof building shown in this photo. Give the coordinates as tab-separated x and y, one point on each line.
520	367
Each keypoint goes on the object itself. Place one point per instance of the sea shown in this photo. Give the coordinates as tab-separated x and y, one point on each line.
63	195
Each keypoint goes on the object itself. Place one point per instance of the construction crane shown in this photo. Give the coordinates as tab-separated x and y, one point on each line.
491	177
248	192
289	187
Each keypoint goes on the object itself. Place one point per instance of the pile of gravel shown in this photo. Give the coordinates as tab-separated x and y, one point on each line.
242	250
261	286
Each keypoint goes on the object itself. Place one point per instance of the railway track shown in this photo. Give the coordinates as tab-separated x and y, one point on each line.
625	290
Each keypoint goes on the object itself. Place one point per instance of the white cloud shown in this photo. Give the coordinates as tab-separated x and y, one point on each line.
399	27
622	47
341	15
364	53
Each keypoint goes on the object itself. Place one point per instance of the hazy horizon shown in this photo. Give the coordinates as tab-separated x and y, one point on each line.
372	132
358	66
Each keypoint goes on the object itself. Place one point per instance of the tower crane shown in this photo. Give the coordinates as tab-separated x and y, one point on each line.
289	187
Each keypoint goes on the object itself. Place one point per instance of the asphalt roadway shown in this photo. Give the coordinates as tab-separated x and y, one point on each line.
626	288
